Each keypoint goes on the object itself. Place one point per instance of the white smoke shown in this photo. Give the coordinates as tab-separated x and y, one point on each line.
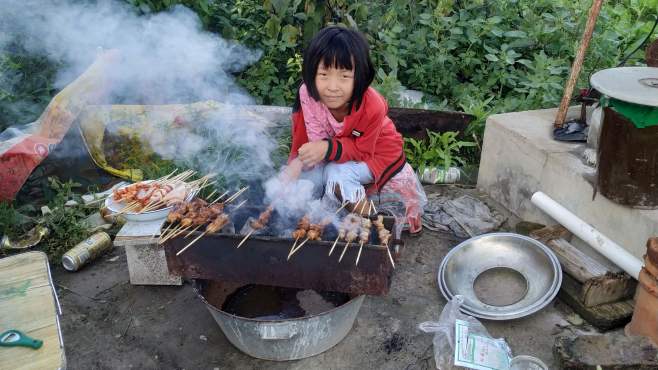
165	58
294	199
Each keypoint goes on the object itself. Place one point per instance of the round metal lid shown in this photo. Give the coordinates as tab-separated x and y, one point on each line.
638	85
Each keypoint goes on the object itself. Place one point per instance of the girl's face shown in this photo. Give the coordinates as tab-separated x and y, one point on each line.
335	86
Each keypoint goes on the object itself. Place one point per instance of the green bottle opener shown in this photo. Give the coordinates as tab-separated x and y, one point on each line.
14	338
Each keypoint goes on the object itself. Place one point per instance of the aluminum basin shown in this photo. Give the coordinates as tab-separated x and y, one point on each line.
279	339
501	276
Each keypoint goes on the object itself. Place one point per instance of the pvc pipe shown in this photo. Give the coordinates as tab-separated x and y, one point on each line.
588	234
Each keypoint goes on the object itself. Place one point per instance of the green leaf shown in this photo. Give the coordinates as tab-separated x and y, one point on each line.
272	27
491	57
515	34
494	20
280	6
289	34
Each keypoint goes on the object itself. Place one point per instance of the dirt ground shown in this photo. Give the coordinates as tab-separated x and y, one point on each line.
110	324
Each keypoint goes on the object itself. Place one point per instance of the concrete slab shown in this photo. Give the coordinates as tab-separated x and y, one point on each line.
110	324
611	351
520	157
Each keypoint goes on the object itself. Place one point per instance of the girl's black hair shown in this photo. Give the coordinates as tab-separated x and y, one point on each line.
338	47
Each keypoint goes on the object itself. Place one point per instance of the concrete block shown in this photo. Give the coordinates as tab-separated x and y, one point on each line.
147	265
520	157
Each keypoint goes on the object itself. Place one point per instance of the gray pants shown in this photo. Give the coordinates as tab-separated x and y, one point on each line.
350	177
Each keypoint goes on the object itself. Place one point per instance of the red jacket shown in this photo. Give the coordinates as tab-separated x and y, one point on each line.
368	136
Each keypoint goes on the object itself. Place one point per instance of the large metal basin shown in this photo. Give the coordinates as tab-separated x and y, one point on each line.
281	340
518	272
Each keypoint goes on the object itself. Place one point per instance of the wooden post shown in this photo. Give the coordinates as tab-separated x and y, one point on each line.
578	62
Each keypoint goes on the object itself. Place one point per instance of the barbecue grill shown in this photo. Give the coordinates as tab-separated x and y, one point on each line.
263	259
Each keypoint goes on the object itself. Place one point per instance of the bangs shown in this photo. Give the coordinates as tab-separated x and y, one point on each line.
337	54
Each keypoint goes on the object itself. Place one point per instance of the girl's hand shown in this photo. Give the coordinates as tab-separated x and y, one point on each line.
313	153
292	170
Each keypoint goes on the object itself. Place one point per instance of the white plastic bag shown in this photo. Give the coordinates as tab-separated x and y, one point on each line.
444	333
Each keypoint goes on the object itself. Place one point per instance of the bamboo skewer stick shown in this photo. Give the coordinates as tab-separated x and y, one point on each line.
192	242
180	231
245	238
237	194
176	232
219	197
162	232
334	245
373	206
239	205
151	206
358	256
205	185
166	177
363	206
191	231
173	231
211	194
181	177
344	250
130	207
173	228
341	207
390	256
293	251
293	248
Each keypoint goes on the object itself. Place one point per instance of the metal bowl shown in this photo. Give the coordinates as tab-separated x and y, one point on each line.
502	276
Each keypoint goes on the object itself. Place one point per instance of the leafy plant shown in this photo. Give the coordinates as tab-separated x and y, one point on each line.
66	222
439	150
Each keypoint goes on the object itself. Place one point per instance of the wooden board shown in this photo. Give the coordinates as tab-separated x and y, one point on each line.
603	317
600	283
27	303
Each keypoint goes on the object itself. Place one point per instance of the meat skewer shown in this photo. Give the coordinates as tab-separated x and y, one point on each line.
364	235
149	195
341	235
342	231
352	231
258	224
186	215
384	236
314	233
189	214
216	225
302	227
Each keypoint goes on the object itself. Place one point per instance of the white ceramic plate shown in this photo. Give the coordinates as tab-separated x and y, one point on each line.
155	214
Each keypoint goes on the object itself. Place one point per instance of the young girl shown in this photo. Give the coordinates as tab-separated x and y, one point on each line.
342	137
